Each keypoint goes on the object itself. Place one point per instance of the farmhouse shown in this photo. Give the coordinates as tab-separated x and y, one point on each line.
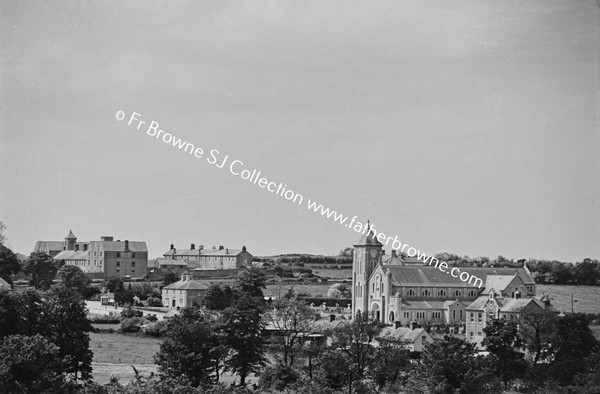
185	292
211	259
413	338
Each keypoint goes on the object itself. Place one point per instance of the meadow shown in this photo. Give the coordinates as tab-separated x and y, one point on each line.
586	298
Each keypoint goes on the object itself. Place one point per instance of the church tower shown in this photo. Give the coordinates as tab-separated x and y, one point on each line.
367	255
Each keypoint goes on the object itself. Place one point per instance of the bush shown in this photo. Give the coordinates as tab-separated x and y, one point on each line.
151	318
129	312
157	330
104	320
155	301
277	378
330	302
131	324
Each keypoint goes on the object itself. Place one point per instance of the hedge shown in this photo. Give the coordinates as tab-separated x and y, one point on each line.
330	302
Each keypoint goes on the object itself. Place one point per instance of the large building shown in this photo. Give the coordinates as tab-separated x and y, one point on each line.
121	258
211	259
392	290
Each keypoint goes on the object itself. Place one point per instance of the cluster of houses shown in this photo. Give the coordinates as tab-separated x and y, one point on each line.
394	290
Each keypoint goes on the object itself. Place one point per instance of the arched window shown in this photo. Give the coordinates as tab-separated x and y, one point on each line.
382	287
426	293
442	293
410	293
472	293
457	293
392	317
373	287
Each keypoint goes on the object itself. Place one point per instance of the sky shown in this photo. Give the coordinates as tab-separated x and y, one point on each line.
470	127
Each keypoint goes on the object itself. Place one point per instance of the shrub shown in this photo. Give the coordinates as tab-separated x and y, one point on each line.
104	320
157	329
151	318
131	324
130	312
154	301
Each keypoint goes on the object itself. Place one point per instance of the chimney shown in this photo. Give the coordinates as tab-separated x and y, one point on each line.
517	294
188	277
172	247
220	247
192	246
183	277
243	248
226	250
394	254
331	317
126	245
413	325
200	247
106	238
85	247
397	324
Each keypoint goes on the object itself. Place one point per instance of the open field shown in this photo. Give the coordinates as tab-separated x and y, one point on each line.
587	298
314	289
338	274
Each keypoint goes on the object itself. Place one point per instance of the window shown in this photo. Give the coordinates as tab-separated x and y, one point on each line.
442	293
454	314
457	293
479	333
479	317
426	293
471	334
132	271
133	255
460	315
410	292
436	315
423	339
382	287
118	254
133	263
392	316
420	315
407	315
472	293
373	286
118	263
118	270
472	317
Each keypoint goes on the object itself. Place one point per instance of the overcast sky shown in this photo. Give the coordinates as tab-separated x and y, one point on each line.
463	126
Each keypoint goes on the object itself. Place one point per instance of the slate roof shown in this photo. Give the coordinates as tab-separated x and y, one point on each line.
424	276
186	285
479	303
72	255
518	304
48	246
163	261
422	304
119	246
4	284
403	333
497	282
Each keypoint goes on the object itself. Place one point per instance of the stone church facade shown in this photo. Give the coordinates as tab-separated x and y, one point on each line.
392	289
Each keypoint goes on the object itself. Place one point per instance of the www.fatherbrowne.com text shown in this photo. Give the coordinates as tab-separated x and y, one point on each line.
237	168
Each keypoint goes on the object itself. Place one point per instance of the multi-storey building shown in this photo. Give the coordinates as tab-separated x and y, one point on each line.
211	259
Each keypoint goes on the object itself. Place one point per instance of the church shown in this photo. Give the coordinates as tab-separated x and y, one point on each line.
392	289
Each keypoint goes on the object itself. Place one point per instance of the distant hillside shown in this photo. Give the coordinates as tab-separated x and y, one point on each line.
298	258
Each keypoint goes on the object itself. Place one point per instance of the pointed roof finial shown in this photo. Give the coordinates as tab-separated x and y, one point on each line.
71	235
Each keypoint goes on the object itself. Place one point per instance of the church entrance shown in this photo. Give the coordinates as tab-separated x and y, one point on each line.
376	313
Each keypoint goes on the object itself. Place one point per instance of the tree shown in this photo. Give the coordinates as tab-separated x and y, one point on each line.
251	281
66	324
451	367
29	364
243	327
355	340
2	235
347	252
9	263
339	290
169	277
114	284
537	332
292	319
501	340
218	297
73	277
187	350
42	269
389	359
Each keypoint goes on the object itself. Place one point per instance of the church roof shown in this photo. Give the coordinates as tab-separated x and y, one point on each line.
71	235
48	246
518	304
368	239
498	282
423	276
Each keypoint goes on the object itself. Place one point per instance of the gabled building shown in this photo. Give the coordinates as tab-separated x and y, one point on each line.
494	305
413	338
185	292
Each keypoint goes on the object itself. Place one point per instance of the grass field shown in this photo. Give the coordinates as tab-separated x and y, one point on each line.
314	289
587	298
123	348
